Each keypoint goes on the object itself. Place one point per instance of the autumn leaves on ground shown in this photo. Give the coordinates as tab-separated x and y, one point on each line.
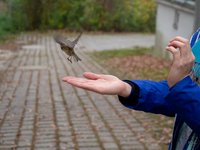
139	63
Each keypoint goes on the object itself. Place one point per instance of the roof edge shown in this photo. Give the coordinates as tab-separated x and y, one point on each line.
186	7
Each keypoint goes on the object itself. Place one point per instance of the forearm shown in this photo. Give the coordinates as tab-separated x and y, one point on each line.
148	96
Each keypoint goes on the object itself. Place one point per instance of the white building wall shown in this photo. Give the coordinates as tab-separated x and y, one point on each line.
168	15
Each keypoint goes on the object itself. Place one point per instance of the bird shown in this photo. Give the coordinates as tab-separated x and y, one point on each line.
67	46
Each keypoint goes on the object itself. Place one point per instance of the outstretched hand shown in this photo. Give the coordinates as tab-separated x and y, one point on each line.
103	84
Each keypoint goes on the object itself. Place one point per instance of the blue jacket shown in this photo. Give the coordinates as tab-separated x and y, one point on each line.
182	101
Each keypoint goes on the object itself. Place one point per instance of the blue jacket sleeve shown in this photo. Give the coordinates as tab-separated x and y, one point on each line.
185	98
151	98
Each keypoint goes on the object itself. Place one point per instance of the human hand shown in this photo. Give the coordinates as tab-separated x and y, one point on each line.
183	59
103	84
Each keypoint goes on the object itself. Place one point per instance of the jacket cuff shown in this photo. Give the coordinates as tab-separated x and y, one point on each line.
132	99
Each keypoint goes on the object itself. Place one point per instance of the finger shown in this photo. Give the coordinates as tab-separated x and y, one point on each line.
180	39
175	52
92	76
78	82
66	78
82	83
176	44
183	47
72	79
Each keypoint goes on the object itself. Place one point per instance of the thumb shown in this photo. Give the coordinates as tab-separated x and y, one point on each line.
90	75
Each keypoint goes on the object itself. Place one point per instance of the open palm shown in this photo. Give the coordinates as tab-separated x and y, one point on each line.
103	84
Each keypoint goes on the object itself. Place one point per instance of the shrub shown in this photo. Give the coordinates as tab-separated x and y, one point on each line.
105	15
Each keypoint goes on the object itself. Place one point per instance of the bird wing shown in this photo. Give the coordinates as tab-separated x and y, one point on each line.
63	41
76	40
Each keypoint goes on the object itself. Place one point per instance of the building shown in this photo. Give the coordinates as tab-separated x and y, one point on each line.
174	17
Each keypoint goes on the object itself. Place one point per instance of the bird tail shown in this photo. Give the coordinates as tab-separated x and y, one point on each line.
76	57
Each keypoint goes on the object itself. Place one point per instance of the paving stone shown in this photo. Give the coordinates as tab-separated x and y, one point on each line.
89	148
7	147
23	147
39	108
88	144
110	145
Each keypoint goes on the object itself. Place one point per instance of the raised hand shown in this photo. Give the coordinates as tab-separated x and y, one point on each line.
183	59
103	84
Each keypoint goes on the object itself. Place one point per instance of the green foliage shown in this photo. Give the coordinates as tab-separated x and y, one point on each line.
5	26
145	11
18	15
90	15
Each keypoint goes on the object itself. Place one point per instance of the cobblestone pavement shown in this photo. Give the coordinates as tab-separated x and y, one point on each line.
39	111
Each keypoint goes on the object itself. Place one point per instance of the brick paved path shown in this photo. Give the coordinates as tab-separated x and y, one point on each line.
39	111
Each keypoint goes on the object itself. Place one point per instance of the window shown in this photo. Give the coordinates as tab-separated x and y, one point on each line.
187	3
190	2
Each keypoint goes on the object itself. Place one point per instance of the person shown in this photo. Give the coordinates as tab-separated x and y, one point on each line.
178	95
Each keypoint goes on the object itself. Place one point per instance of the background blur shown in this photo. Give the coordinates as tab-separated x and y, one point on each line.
121	37
89	15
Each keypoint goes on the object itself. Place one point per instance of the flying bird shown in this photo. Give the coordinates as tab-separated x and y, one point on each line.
67	46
